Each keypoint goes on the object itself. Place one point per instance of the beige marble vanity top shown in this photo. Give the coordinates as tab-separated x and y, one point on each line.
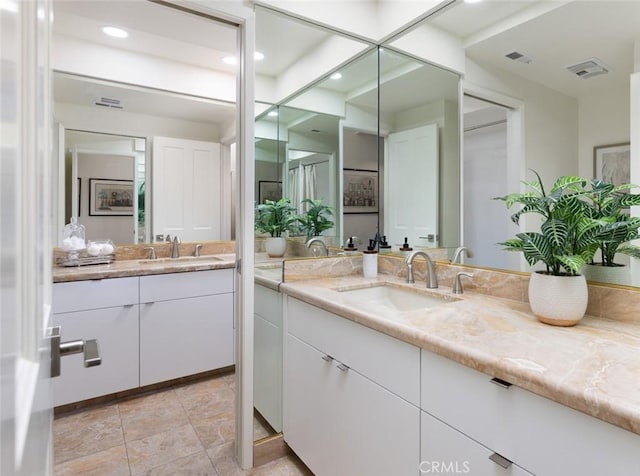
144	267
593	367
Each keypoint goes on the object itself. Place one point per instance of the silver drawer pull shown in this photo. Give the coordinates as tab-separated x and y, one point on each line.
500	460
342	367
327	358
501	383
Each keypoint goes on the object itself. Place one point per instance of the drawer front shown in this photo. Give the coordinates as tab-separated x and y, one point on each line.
467	400
443	450
393	364
116	330
164	287
94	294
268	304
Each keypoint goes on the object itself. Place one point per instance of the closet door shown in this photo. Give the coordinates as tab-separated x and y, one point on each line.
186	189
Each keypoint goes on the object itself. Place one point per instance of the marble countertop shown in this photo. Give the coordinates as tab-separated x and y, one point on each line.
143	267
592	367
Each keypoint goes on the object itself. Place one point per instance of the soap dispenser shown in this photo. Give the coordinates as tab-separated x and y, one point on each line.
384	246
370	260
405	248
350	249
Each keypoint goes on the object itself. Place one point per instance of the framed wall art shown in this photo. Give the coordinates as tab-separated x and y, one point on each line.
110	197
612	163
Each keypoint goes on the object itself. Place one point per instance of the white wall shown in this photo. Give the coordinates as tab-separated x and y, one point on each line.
602	119
550	121
120	229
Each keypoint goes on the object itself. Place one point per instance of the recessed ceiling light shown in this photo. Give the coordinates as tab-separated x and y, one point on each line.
273	113
114	31
229	60
258	56
335	76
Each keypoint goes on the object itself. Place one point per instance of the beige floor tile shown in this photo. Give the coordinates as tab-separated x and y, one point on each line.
230	379
216	429
285	466
223	460
161	448
197	464
206	399
90	431
111	462
260	429
151	414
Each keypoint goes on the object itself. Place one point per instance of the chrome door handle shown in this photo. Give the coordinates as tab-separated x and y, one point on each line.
60	349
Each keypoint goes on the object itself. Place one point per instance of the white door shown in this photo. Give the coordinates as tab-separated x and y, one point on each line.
186	189
411	187
25	240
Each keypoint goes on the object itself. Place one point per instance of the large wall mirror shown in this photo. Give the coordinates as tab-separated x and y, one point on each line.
476	95
152	114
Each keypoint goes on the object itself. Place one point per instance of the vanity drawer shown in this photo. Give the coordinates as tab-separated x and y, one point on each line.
393	364
268	304
94	294
164	287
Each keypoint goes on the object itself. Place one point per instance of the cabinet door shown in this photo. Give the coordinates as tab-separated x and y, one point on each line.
185	336
378	433
309	406
116	329
267	371
443	450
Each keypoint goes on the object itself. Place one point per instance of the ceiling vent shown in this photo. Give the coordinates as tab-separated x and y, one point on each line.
588	68
109	102
519	57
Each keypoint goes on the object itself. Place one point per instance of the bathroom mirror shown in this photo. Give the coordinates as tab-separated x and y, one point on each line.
554	84
153	84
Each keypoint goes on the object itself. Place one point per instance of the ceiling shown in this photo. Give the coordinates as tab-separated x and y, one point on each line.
554	33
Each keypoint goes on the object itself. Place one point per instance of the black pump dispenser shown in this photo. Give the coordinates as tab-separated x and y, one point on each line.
405	246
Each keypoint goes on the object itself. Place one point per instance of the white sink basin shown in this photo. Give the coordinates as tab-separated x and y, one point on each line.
188	259
384	297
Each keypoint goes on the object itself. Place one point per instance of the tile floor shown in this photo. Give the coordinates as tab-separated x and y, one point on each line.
187	429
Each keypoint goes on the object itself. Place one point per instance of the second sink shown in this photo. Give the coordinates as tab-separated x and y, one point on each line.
394	298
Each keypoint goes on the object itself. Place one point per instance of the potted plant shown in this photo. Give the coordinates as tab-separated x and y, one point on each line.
568	238
275	218
608	203
316	219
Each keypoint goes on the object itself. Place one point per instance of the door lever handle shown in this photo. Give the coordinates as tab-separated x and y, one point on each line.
59	349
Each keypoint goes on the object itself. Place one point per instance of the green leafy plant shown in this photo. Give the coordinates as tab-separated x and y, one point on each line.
316	219
607	204
141	195
275	218
568	237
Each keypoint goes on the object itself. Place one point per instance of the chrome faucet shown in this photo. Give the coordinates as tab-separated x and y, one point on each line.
196	249
456	256
152	252
430	274
457	282
175	248
315	239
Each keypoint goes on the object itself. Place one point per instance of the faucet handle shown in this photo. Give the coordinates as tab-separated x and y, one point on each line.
152	252
196	249
457	284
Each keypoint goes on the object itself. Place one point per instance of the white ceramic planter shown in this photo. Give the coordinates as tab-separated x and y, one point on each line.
276	246
558	300
618	274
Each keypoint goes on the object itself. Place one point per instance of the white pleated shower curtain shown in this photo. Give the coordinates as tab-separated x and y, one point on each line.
310	184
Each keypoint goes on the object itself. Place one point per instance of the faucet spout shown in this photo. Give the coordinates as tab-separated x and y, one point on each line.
175	247
430	275
315	239
458	253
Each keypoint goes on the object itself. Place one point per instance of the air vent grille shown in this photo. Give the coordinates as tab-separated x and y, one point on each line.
109	102
519	57
588	68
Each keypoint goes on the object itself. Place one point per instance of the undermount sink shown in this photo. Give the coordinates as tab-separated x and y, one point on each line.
392	298
189	259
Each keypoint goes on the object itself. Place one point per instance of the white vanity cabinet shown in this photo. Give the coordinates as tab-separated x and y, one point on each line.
186	324
267	360
106	310
351	396
531	431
